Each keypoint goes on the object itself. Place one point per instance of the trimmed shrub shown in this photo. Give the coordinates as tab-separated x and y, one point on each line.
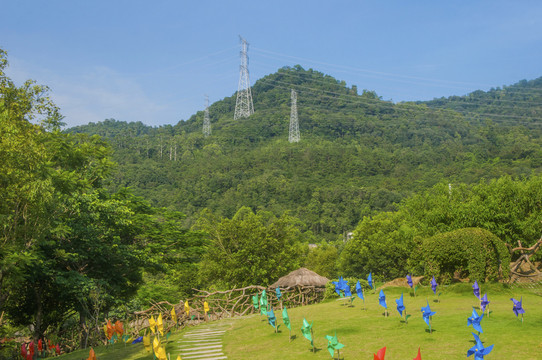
473	252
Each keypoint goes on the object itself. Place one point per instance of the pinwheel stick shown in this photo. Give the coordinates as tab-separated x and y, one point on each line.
312	337
406	318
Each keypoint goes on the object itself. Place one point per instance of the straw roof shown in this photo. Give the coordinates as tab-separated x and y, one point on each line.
301	277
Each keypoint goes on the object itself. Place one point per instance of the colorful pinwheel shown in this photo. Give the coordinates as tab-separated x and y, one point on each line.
279	294
400	305
476	289
286	321
382	301
173	315
475	320
307	332
333	344
263	303
409	280
478	350
427	314
518	308
484	303
255	301
380	354
271	319
434	285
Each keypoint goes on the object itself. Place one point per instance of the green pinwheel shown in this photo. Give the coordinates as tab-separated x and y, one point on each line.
333	344
263	304
307	332
286	321
255	301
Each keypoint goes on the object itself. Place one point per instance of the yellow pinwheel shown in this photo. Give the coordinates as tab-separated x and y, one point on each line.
186	308
205	307
173	315
161	354
160	324
147	342
152	324
156	345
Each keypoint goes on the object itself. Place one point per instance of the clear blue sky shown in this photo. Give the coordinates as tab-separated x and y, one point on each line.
153	61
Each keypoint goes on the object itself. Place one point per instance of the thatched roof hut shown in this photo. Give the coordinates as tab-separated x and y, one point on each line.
301	277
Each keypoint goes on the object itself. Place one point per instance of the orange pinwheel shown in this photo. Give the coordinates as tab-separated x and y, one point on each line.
91	355
119	328
110	330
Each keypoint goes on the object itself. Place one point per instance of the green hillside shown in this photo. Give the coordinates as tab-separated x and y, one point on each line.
358	154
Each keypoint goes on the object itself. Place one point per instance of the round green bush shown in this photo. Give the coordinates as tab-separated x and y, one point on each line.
473	252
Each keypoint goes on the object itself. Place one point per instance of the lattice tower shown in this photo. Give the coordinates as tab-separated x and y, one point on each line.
243	106
294	123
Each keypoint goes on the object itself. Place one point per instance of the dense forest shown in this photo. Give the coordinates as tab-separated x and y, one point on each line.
358	154
101	220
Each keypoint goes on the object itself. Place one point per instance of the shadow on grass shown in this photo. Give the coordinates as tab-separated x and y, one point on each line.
432	331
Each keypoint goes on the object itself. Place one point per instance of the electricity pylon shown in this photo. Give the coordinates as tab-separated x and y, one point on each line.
243	106
206	120
294	123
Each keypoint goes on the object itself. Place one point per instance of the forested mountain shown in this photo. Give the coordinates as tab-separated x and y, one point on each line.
358	154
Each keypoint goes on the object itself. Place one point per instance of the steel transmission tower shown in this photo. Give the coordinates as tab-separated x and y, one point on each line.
243	106
206	120
294	123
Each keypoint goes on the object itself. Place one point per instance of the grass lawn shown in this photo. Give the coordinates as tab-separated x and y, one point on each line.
364	332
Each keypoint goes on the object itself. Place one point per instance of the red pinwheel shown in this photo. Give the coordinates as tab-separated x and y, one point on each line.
23	350
31	349
40	345
57	349
419	357
380	354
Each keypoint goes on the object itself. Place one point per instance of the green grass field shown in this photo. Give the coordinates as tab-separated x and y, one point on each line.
363	329
363	332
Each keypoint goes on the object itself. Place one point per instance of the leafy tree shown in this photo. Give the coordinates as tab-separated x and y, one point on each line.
248	249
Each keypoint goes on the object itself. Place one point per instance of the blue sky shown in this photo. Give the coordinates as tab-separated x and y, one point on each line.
153	61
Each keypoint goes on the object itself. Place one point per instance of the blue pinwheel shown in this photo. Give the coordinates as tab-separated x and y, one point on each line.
427	314
434	285
340	285
359	291
479	350
401	308
279	294
271	318
409	280
347	291
382	301
370	280
400	305
484	303
476	289
518	308
475	320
